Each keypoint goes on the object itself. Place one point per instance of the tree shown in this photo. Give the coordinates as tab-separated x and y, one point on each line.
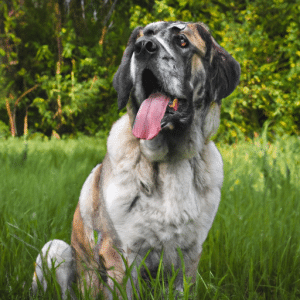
57	61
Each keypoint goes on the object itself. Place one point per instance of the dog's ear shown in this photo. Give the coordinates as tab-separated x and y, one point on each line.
224	70
122	81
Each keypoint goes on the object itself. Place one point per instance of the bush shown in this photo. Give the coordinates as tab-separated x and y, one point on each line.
58	61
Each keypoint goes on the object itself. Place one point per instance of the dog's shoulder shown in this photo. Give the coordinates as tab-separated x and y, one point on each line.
89	195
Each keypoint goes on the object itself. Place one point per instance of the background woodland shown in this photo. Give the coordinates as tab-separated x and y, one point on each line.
58	58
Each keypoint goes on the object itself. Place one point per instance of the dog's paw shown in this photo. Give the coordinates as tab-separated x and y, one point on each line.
57	255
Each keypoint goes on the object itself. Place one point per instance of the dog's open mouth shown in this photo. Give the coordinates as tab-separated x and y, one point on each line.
148	122
152	85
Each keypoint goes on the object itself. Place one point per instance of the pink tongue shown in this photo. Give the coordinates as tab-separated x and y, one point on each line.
148	118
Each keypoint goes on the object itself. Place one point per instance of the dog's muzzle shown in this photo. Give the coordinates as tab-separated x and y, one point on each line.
158	107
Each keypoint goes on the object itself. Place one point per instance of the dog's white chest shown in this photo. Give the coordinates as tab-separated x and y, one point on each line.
175	209
167	217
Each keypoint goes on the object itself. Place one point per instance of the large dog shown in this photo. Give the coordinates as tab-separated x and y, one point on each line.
159	185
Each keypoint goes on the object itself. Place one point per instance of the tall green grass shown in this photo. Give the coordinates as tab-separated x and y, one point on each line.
252	250
39	190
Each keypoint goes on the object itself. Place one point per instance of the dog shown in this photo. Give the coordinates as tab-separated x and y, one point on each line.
159	185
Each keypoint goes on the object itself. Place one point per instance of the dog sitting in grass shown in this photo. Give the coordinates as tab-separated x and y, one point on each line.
159	185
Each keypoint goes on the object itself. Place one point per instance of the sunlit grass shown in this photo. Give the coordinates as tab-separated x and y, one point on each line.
252	250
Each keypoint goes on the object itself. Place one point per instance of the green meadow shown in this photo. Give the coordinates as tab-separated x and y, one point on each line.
252	250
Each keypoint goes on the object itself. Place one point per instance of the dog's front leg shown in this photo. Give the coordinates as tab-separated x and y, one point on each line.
113	262
95	260
132	283
189	271
191	266
86	265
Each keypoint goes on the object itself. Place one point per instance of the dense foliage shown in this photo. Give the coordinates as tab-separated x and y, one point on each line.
58	58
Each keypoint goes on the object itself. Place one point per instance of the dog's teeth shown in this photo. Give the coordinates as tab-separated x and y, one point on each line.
169	126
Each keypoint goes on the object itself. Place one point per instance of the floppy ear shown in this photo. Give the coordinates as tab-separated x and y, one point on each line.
122	81
224	71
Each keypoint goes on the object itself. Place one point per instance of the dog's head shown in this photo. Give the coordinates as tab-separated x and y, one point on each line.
173	72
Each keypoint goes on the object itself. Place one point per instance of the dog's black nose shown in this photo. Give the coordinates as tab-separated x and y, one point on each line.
145	47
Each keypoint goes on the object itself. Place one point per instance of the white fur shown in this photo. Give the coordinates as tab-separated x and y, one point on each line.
57	254
180	203
165	45
133	68
178	25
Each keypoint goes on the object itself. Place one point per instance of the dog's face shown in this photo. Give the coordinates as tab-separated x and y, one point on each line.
173	71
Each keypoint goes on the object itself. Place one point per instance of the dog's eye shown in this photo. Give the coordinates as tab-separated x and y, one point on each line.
182	41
